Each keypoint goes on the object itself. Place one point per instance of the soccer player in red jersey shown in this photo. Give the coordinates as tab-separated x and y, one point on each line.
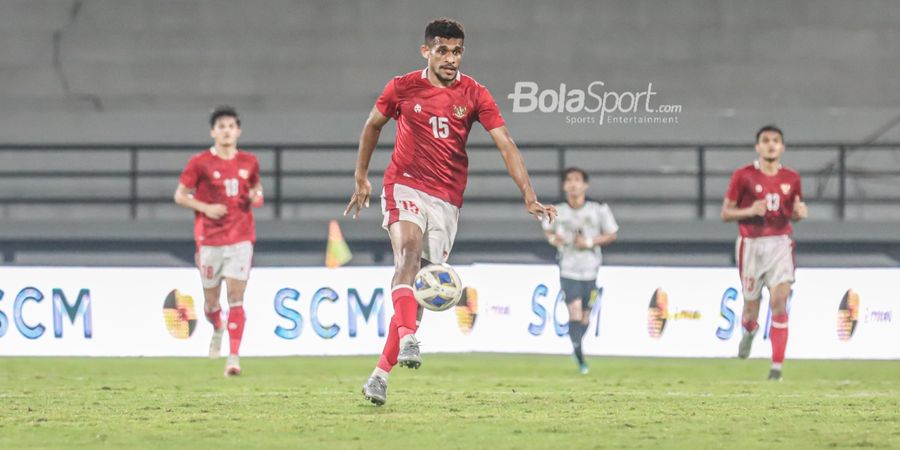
221	185
765	198
435	109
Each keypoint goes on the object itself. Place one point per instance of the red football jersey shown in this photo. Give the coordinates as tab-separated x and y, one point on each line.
432	128
749	184
225	181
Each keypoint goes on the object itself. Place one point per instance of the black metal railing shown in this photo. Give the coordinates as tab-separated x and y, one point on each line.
26	165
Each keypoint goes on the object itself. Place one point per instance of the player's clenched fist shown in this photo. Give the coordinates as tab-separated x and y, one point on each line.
758	208
556	240
800	209
215	211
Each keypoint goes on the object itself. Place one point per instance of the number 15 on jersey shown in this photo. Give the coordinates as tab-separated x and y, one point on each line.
440	126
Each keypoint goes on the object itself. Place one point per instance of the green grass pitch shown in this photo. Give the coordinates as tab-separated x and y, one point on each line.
463	401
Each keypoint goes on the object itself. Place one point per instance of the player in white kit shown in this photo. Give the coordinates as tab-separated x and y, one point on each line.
582	226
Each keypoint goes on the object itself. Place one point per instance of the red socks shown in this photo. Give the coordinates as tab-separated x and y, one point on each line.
402	324
749	326
778	334
215	318
391	347
236	321
405	310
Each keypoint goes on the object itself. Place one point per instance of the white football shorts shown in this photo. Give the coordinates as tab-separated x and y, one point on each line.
437	218
228	261
764	261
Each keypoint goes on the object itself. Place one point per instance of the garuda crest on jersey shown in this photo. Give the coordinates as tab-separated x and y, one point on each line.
459	111
785	188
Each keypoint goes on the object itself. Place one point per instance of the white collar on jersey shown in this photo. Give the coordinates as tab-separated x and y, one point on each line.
425	73
756	164
216	153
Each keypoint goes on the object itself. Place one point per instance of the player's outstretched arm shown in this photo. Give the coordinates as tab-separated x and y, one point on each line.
184	198
730	211
367	142
515	165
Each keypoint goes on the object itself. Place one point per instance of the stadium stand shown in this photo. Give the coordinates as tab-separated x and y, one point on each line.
105	100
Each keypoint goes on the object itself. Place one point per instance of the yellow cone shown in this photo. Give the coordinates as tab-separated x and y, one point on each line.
337	253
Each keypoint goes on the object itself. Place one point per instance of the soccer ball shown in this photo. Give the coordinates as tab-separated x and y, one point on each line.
437	287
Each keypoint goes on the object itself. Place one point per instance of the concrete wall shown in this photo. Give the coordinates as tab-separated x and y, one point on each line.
142	70
76	71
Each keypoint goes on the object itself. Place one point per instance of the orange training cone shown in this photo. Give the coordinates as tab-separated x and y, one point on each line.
337	253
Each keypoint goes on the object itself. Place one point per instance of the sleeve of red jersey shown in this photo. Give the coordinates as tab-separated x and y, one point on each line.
388	103
488	111
254	173
734	187
799	191
190	174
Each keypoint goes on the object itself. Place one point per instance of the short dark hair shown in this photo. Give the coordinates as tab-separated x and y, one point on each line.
223	111
565	173
769	128
445	28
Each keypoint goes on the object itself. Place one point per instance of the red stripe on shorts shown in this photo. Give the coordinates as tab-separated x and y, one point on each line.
793	257
391	205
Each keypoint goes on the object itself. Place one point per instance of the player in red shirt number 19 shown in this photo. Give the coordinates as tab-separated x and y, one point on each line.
765	198
435	109
221	185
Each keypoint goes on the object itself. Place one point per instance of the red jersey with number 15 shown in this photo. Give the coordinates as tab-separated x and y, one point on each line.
432	129
227	182
749	184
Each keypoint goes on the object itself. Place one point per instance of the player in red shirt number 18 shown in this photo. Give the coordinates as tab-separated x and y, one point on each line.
765	198
435	109
221	185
